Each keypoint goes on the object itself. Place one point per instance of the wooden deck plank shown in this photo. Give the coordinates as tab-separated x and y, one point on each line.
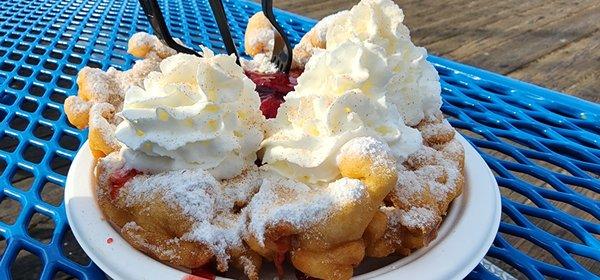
483	38
473	14
517	52
550	68
511	24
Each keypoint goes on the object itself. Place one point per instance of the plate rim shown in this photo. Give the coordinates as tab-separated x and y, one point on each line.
98	250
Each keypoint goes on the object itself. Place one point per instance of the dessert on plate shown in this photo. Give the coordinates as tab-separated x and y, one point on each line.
203	163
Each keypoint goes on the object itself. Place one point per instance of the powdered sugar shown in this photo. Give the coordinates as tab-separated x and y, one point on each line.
101	119
435	129
248	266
208	203
448	185
409	188
133	227
142	43
452	150
282	200
135	76
190	190
141	40
345	191
442	174
220	234
369	148
418	217
264	36
239	190
78	105
414	218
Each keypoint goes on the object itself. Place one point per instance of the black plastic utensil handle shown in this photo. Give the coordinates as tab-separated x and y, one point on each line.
157	21
221	18
267	9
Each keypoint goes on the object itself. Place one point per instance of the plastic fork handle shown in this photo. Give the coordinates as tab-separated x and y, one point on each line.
157	21
267	9
221	18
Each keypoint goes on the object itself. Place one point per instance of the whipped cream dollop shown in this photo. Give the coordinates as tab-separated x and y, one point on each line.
197	112
414	87
341	95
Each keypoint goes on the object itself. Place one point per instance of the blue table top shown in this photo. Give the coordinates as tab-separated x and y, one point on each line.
543	146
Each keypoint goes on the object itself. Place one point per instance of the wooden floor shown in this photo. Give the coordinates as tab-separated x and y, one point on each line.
554	44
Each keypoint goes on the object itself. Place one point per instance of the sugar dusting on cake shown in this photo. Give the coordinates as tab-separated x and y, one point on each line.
134	227
283	200
264	35
437	129
208	203
409	187
368	147
414	218
442	174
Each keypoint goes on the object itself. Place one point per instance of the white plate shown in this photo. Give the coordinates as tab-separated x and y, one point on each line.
463	239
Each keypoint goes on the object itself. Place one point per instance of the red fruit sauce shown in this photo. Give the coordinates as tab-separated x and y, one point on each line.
269	106
118	180
283	246
272	88
200	273
109	240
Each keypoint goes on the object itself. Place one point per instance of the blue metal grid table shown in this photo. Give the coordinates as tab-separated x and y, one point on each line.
544	147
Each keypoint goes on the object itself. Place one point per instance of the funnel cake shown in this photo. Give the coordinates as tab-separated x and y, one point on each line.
185	218
322	227
260	35
430	178
101	94
428	181
357	162
188	136
189	210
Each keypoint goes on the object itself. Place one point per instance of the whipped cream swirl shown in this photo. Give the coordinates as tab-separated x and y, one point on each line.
414	88
340	96
194	113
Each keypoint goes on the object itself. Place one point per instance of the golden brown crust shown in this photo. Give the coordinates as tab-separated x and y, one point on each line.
101	93
334	246
153	228
331	249
259	35
101	136
259	39
334	263
428	182
157	227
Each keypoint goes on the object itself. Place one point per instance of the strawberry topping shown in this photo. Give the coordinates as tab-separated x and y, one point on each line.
283	246
202	273
272	88
118	180
269	106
